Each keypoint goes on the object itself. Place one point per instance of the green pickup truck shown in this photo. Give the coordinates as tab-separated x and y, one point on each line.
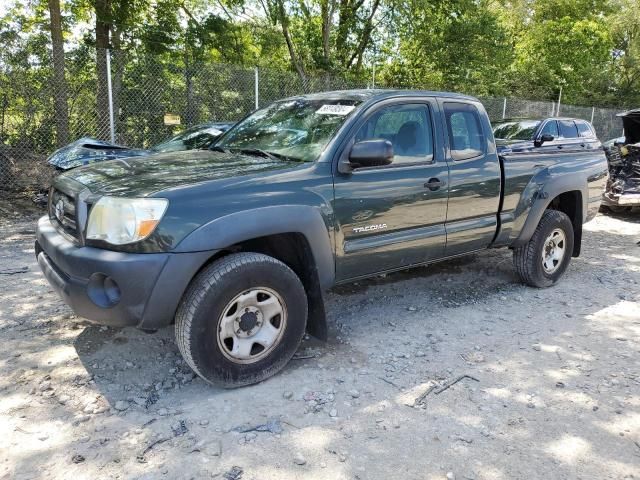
237	244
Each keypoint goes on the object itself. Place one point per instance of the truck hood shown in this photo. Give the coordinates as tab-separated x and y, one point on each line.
146	175
89	150
631	124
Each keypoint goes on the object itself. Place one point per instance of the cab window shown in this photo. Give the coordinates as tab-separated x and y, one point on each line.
584	129
567	129
407	127
465	130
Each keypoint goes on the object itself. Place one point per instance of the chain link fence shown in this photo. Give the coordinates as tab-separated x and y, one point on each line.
132	107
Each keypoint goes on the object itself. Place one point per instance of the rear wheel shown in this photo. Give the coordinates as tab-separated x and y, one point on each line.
241	319
545	257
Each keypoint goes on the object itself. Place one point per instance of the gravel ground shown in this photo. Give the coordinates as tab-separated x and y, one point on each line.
552	386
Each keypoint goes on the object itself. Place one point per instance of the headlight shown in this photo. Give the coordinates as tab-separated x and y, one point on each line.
125	220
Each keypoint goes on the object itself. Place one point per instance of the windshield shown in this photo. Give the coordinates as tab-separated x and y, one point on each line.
519	130
294	129
198	137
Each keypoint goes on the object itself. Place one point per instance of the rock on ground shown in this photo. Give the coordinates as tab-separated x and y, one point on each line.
557	396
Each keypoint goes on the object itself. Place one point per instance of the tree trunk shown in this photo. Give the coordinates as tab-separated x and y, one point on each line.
103	28
365	38
60	106
327	8
284	24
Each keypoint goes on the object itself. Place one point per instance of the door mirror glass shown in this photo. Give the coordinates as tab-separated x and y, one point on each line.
371	153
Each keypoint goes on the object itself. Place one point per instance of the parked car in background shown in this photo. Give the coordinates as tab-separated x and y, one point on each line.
545	135
623	155
236	244
90	150
610	143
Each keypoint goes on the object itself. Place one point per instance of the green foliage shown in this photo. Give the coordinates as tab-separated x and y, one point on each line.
451	45
563	51
519	48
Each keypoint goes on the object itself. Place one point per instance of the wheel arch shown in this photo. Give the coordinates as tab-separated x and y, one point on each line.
563	194
570	203
297	236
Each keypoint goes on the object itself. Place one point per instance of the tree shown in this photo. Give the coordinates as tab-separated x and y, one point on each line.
566	44
453	45
624	78
59	81
325	35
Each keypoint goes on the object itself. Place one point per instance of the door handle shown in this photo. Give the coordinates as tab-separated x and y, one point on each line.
560	146
434	184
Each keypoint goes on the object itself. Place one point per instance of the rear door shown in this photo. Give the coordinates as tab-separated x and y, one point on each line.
474	178
568	136
393	216
587	134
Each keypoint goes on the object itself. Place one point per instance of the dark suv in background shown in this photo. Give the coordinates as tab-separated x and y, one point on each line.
546	134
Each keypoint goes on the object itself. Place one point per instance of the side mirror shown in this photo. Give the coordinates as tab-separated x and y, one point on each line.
547	137
371	153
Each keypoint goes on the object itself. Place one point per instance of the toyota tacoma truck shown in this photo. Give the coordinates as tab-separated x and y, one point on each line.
236	245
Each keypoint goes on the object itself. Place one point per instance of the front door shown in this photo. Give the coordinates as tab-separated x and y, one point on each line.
393	216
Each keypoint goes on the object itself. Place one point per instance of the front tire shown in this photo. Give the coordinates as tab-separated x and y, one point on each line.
545	257
241	319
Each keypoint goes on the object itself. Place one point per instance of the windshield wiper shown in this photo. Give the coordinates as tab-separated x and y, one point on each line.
263	153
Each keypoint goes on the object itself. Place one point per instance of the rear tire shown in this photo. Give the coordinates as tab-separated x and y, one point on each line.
241	319
545	257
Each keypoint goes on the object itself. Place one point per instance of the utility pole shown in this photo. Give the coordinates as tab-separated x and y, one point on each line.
373	76
559	102
112	125
256	83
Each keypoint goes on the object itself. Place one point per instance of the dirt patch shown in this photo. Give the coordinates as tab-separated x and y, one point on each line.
548	380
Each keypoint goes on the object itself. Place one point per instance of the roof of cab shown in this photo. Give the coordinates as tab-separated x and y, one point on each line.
379	94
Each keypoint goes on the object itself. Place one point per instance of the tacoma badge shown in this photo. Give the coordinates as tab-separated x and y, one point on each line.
370	228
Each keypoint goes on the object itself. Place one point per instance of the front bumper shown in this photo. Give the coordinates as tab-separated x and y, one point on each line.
623	200
115	288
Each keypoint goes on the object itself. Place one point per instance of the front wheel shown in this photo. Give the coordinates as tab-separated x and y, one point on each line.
545	257
241	319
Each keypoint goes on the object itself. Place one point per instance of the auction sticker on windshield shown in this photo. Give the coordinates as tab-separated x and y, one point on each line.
335	109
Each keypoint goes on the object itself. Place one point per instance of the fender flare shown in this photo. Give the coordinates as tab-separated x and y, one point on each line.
553	187
237	227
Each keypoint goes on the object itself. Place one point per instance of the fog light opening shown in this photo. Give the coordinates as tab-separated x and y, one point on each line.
103	290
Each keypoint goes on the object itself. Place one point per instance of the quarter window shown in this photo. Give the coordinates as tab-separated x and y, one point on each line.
584	129
465	130
567	129
407	127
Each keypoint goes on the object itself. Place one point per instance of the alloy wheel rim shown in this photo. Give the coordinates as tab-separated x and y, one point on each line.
553	251
252	325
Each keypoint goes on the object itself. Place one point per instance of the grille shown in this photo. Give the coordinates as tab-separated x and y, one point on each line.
62	212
